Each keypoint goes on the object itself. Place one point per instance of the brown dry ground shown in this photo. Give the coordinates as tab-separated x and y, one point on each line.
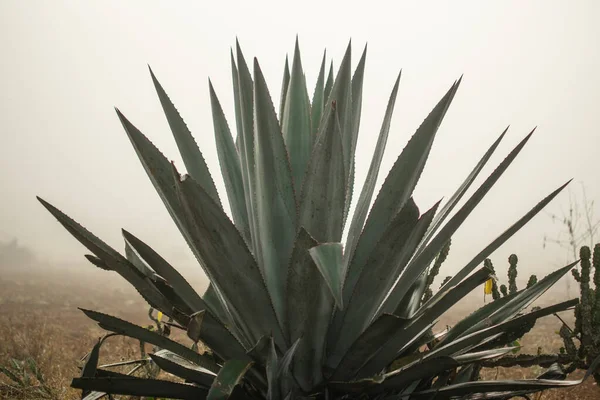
39	318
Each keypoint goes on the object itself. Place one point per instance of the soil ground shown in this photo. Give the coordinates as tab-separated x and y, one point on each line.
39	318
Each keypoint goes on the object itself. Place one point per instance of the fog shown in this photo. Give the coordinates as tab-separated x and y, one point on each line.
66	64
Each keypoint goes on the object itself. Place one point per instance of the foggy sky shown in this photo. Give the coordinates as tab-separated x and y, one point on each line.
66	64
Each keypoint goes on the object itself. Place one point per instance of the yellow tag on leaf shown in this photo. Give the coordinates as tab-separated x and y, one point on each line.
487	289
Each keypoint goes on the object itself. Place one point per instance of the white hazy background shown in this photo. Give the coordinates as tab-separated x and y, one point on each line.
65	64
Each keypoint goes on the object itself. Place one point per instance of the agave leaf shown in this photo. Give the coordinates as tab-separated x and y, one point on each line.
284	88
180	310
353	125
164	269
358	386
523	299
328	259
159	171
457	196
364	201
230	167
479	258
130	386
506	386
91	365
216	306
243	92
260	351
467	373
483	355
397	189
416	371
340	100
190	153
296	123
272	367
402	257
554	372
203	326
422	260
328	83
389	348
382	269
217	243
182	368
459	345
276	205
229	377
137	262
411	301
125	328
436	310
480	314
112	259
317	103
323	193
309	307
366	345
97	262
285	377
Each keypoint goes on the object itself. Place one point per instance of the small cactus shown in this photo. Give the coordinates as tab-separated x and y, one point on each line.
581	344
495	293
435	270
512	273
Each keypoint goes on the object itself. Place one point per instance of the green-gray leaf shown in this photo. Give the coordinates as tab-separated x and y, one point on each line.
328	259
230	167
295	123
229	377
192	157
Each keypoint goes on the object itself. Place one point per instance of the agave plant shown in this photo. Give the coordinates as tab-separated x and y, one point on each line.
295	308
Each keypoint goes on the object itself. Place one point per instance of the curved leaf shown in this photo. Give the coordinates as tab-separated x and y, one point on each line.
328	259
182	368
125	328
203	326
164	269
228	378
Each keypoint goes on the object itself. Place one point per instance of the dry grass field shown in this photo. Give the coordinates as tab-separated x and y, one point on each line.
39	319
